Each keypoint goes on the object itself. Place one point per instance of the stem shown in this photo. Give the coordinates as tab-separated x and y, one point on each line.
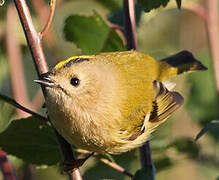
130	24
213	34
34	43
114	166
32	37
130	33
66	149
5	166
49	22
198	10
15	62
17	105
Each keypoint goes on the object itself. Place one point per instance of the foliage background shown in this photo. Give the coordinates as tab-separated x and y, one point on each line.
160	33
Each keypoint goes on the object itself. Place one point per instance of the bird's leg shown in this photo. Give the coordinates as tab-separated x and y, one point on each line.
70	166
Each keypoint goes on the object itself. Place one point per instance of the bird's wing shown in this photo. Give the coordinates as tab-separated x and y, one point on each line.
165	103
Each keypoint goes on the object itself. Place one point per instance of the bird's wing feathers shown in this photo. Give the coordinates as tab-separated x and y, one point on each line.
165	103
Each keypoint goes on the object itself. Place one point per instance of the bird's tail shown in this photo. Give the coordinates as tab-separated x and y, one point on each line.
181	62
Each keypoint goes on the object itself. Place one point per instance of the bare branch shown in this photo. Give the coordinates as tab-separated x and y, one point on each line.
17	105
34	43
198	10
130	24
114	166
15	62
213	35
49	22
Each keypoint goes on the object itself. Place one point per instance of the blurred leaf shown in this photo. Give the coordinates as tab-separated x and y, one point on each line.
211	125
3	66
109	4
147	173
31	140
217	178
6	114
186	145
92	34
179	2
162	163
148	5
202	101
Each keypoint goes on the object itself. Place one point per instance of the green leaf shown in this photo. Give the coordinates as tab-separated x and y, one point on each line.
162	163
6	112
178	3
109	4
6	115
31	140
213	124
92	34
148	5
186	145
203	100
113	42
147	173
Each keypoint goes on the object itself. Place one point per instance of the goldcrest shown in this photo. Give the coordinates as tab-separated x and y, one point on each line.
112	102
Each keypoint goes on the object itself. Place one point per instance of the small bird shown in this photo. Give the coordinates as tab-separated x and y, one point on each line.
112	102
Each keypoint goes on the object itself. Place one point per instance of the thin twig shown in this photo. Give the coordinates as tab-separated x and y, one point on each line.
17	105
34	43
114	166
130	24
5	166
15	62
198	10
213	36
49	22
130	33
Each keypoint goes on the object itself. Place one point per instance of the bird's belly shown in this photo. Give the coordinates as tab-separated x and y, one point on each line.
81	135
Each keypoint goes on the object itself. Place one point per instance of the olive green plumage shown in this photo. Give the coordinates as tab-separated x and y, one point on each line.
111	102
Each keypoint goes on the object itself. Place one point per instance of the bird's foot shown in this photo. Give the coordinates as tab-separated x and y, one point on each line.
71	166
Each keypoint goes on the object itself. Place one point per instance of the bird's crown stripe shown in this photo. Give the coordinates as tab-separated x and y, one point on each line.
74	58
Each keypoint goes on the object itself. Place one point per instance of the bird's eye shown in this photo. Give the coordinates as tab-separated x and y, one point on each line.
75	81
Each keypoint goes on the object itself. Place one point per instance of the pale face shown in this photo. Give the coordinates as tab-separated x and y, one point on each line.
83	83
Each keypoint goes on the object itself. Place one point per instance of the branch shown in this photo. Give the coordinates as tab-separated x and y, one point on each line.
130	33
198	10
130	24
114	166
49	22
15	62
5	166
34	43
213	36
17	105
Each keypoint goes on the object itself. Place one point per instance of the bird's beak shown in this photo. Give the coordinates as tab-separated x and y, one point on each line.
46	81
